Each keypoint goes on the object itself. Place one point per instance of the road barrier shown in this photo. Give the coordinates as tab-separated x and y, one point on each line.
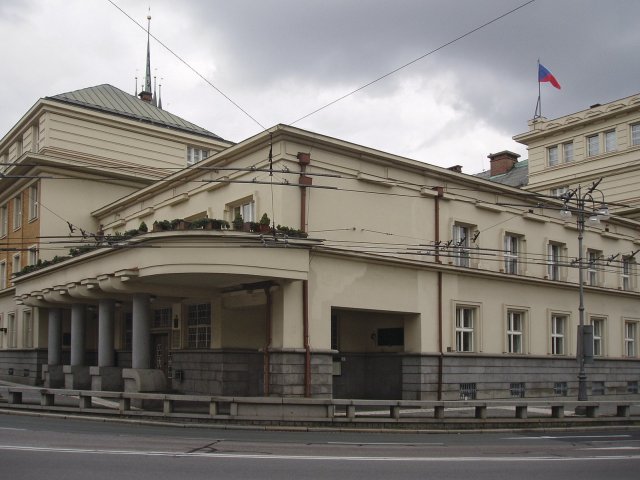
278	409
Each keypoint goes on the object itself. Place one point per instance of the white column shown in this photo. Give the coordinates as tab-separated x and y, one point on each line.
77	334
106	333
141	334
54	345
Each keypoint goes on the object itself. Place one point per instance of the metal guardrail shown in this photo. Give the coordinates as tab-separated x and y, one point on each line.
290	409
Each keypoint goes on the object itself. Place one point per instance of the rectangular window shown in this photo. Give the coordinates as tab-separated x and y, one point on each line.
627	273
559	191
610	143
630	338
33	255
515	329
517	390
246	211
511	253
560	388
552	155
558	328
461	242
632	386
4	220
567	152
464	328
195	155
17	212
161	318
27	329
199	325
554	257
3	275
12	332
33	201
15	267
635	134
598	336
468	391
593	267
593	145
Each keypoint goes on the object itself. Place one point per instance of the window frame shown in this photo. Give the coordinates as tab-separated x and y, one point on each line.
17	212
196	154
511	257
465	335
461	244
240	206
554	265
607	137
34	201
635	134
3	274
567	152
594	273
12	330
599	322
199	329
27	329
4	219
513	333
592	145
558	336
627	273
630	336
16	263
553	155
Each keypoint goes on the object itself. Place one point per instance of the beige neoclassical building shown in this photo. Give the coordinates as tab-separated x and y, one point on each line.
387	277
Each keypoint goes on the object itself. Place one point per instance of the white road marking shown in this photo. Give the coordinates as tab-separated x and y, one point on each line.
237	456
16	429
562	437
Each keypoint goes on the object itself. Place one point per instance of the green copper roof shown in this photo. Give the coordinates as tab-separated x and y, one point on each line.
109	99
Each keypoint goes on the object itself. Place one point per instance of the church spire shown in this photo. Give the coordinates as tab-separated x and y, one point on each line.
146	93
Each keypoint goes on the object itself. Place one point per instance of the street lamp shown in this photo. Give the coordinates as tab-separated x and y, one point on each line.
584	351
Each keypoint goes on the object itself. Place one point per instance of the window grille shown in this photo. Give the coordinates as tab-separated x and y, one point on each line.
468	391
517	389
560	388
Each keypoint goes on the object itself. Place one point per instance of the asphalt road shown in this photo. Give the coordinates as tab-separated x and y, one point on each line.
54	448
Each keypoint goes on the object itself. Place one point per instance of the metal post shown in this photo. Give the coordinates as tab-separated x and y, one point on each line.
582	374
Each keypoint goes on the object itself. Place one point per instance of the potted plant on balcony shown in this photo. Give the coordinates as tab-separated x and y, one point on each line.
238	222
264	224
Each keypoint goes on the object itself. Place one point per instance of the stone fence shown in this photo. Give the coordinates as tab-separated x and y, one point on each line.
308	411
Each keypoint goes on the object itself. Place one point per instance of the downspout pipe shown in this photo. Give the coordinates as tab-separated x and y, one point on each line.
268	341
440	194
304	159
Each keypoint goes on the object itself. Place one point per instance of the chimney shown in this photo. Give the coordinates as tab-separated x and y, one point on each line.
502	162
455	168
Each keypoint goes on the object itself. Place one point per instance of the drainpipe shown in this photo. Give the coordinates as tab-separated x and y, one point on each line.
440	193
268	341
304	159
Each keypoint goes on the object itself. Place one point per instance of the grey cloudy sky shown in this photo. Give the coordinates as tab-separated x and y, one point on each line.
282	59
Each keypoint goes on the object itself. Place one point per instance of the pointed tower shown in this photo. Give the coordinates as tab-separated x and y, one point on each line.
146	93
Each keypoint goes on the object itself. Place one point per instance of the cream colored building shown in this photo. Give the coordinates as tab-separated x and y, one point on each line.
68	155
600	142
413	281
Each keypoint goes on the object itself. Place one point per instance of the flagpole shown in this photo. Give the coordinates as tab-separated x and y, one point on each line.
538	112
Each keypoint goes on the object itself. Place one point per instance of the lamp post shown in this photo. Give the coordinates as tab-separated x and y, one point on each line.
585	334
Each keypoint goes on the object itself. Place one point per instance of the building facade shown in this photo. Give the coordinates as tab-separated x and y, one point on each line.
377	277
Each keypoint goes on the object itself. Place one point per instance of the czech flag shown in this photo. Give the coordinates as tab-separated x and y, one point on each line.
545	75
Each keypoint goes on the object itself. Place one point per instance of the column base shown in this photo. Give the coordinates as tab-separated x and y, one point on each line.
53	376
76	377
106	379
144	380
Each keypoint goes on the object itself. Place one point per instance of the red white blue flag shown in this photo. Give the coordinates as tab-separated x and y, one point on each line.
545	75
